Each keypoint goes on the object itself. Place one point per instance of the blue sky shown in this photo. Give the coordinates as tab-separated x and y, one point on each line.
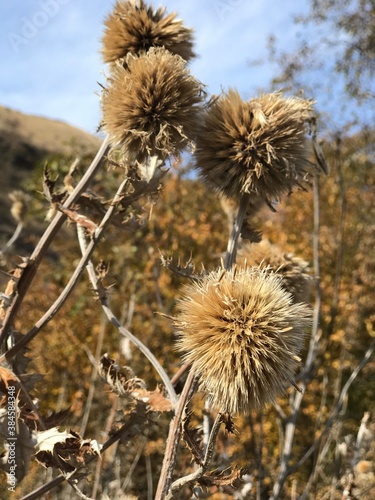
50	62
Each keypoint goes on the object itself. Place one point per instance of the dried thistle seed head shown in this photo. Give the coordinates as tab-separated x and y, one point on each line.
19	201
257	146
150	105
294	271
133	27
242	334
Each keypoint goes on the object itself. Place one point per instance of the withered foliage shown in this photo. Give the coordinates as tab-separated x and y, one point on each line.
193	438
65	451
242	330
124	383
231	478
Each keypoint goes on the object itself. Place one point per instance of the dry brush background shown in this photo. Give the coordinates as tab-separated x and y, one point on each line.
91	408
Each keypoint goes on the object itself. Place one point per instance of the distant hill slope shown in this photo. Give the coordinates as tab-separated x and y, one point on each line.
26	140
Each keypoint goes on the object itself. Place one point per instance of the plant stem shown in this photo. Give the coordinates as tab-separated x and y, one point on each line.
94	374
29	271
191	382
13	238
124	331
174	438
183	481
230	257
56	306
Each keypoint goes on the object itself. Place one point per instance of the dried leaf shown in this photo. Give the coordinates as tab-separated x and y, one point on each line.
48	184
221	479
9	387
56	419
228	422
185	270
155	400
122	381
49	188
251	234
63	450
79	219
131	422
12	391
29	380
7	378
102	270
319	156
20	361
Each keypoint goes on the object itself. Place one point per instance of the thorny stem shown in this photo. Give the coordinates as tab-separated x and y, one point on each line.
183	481
124	331
191	382
174	438
52	311
230	256
34	261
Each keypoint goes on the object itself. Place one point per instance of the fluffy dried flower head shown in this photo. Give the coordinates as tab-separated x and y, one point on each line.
133	27
293	270
150	105
19	201
242	334
257	146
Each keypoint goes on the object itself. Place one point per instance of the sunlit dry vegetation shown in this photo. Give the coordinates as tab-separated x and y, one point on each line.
195	326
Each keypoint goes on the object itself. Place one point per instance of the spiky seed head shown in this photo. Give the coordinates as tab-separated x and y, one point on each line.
293	270
150	105
257	146
134	27
242	334
19	201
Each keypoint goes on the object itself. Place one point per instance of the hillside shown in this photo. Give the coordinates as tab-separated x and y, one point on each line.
26	140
